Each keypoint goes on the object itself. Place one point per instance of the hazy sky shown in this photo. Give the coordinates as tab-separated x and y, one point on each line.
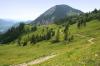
31	9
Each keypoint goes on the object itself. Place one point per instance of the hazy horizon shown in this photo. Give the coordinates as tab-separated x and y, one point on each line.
29	9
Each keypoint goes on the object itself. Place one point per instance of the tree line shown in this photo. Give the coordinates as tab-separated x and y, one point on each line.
16	32
80	19
13	33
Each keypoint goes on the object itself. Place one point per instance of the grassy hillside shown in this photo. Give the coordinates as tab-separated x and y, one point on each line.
79	52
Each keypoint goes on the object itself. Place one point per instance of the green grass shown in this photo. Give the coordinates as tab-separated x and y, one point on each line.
79	52
84	55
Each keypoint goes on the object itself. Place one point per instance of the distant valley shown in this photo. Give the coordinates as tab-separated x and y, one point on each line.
5	24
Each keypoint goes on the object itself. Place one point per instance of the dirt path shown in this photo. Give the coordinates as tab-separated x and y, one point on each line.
90	40
37	61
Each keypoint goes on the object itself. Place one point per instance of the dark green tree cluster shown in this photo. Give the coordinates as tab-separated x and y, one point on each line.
12	34
71	19
66	31
15	32
86	17
81	22
67	36
57	37
34	28
81	19
37	38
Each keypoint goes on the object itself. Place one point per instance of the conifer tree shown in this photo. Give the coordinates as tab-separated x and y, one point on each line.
66	31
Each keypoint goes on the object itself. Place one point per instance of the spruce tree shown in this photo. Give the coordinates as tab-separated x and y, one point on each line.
57	36
66	31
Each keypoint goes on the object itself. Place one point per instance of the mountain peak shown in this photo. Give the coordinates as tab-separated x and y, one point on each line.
64	5
56	12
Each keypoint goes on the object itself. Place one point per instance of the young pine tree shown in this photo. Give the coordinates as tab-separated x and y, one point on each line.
66	31
57	36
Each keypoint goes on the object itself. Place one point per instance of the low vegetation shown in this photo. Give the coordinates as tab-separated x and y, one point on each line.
69	40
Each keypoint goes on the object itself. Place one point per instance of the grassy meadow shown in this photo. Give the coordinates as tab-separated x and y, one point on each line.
78	52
